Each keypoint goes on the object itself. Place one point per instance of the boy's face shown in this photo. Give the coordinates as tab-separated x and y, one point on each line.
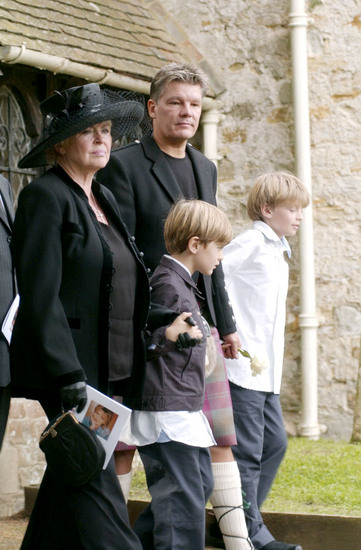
208	257
98	417
284	219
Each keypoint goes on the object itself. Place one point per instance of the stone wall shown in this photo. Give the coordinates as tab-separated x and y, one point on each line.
21	461
247	44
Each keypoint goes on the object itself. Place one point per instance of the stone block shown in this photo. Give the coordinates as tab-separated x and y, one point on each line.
9	463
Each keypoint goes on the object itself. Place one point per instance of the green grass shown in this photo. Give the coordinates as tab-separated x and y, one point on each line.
316	477
321	477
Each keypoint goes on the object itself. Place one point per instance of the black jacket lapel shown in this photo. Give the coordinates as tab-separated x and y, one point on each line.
161	169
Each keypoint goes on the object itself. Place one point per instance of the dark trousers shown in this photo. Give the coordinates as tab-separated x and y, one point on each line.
91	517
180	481
4	410
261	445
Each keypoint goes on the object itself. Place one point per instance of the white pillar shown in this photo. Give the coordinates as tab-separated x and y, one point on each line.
209	125
308	321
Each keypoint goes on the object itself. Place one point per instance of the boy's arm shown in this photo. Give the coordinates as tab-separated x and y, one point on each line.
162	340
181	334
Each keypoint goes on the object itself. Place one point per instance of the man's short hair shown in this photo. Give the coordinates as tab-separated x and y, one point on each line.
195	218
275	189
177	72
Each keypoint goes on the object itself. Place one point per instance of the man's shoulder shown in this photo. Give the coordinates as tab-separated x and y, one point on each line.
197	154
133	148
201	163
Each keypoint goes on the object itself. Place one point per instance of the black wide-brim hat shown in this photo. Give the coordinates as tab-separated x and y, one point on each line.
68	112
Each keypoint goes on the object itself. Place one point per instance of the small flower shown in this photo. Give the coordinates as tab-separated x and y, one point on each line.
257	365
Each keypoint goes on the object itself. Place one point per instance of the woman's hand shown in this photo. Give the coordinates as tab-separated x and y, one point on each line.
184	331
74	395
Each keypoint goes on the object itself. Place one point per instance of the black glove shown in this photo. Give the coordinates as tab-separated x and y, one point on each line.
184	341
74	395
190	321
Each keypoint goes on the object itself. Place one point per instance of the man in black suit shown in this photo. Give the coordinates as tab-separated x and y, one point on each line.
7	287
147	177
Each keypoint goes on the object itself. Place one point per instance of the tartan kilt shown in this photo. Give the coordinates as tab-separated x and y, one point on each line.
217	401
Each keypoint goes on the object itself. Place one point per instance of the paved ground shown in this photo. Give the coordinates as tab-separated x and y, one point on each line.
12	531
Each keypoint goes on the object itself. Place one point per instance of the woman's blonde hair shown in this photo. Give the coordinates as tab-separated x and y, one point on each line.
274	189
195	218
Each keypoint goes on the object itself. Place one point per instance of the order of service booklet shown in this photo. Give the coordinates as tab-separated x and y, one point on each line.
106	417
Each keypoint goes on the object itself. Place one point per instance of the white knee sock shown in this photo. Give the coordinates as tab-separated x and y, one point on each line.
227	503
125	482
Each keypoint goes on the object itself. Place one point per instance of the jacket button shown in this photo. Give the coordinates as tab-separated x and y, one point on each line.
9	239
141	254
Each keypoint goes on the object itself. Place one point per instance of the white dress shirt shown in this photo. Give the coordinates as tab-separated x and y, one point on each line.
188	427
256	276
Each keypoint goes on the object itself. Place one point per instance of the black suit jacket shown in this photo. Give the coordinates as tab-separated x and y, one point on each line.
64	270
145	188
7	287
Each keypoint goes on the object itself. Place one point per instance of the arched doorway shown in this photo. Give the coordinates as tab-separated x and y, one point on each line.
14	142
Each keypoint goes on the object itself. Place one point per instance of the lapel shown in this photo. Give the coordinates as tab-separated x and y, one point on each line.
161	169
8	217
203	171
203	174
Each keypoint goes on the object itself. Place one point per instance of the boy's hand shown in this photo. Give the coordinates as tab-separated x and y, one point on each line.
184	331
230	345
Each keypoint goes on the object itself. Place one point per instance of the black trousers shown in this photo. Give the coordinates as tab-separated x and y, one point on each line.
91	517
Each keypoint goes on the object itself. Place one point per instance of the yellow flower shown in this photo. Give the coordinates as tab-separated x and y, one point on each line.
258	365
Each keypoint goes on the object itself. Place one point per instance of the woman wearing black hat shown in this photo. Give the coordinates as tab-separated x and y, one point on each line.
84	300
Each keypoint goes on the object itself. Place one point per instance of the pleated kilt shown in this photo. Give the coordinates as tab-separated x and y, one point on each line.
217	403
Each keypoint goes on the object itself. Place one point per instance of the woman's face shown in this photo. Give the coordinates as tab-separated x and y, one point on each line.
87	151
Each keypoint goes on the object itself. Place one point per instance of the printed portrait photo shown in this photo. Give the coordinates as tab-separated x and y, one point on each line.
100	419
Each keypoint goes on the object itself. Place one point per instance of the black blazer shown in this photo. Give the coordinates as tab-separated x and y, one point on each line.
64	270
145	189
7	285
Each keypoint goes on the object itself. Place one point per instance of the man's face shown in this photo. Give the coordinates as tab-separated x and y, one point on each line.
177	112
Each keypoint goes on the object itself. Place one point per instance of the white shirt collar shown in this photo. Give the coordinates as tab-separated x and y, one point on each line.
178	262
272	236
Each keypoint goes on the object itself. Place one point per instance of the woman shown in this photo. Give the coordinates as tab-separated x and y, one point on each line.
84	301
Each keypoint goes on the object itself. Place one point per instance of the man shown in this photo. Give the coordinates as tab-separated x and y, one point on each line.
7	292
147	177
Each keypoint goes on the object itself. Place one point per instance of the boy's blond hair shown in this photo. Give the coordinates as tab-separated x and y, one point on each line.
195	218
274	189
